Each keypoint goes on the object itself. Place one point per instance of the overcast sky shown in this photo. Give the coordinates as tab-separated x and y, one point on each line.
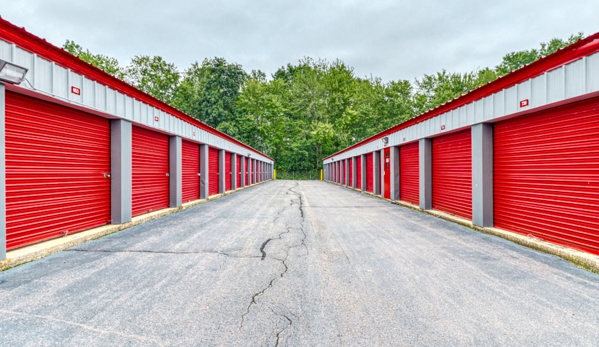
401	39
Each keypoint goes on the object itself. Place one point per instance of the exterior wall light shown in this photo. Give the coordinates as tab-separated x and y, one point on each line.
12	73
385	140
249	154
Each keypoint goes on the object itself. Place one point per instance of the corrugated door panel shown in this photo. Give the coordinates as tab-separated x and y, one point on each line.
190	160
351	172
359	172
228	171
150	168
369	173
546	175
409	173
387	173
247	171
56	158
339	172
452	174
213	171
238	163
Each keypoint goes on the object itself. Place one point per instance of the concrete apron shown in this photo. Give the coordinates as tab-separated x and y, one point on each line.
39	250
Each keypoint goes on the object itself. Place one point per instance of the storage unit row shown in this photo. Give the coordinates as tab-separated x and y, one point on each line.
533	171
73	159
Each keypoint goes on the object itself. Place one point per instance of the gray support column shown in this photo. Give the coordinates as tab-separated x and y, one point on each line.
234	171
426	173
363	168
242	170
222	172
395	173
382	172
175	167
120	171
376	172
482	175
255	171
204	174
2	172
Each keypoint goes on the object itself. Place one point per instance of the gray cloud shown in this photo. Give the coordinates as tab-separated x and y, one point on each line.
389	39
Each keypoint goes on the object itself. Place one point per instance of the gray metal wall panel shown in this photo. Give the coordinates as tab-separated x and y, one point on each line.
75	80
555	85
2	172
538	93
498	104
42	75
60	81
6	50
592	73
100	97
575	78
110	101
88	94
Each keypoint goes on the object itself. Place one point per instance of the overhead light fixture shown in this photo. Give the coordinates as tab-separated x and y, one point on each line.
385	140
12	73
249	154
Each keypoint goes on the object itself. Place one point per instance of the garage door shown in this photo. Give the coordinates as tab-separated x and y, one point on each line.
238	168
369	173
452	174
546	175
190	171
409	173
247	171
387	173
359	172
213	171
150	170
228	171
351	173
56	159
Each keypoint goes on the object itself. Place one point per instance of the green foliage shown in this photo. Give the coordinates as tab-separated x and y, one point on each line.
103	62
303	112
154	76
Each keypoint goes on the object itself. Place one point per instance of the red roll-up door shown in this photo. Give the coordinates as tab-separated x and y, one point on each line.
247	171
387	173
228	171
351	173
359	172
213	171
546	175
56	159
339	172
150	169
409	173
452	174
190	161
369	173
238	168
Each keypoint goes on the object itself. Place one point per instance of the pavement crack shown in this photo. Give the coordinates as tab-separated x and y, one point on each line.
290	322
262	248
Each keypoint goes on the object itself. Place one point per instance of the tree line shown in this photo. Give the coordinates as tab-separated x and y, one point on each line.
306	111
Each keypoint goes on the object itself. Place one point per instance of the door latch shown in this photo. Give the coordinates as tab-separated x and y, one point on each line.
106	175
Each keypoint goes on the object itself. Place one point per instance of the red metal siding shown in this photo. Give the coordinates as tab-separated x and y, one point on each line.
546	175
56	158
150	168
238	168
213	171
359	172
351	173
409	173
190	161
247	171
228	171
387	174
369	173
452	174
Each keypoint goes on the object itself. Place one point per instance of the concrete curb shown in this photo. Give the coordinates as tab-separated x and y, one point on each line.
581	259
43	249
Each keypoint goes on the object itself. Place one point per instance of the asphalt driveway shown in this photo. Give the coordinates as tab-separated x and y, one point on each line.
306	263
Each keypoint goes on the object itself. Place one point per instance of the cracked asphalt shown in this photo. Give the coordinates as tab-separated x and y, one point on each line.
304	263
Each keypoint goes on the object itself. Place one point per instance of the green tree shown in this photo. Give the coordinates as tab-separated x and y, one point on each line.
154	76
103	62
